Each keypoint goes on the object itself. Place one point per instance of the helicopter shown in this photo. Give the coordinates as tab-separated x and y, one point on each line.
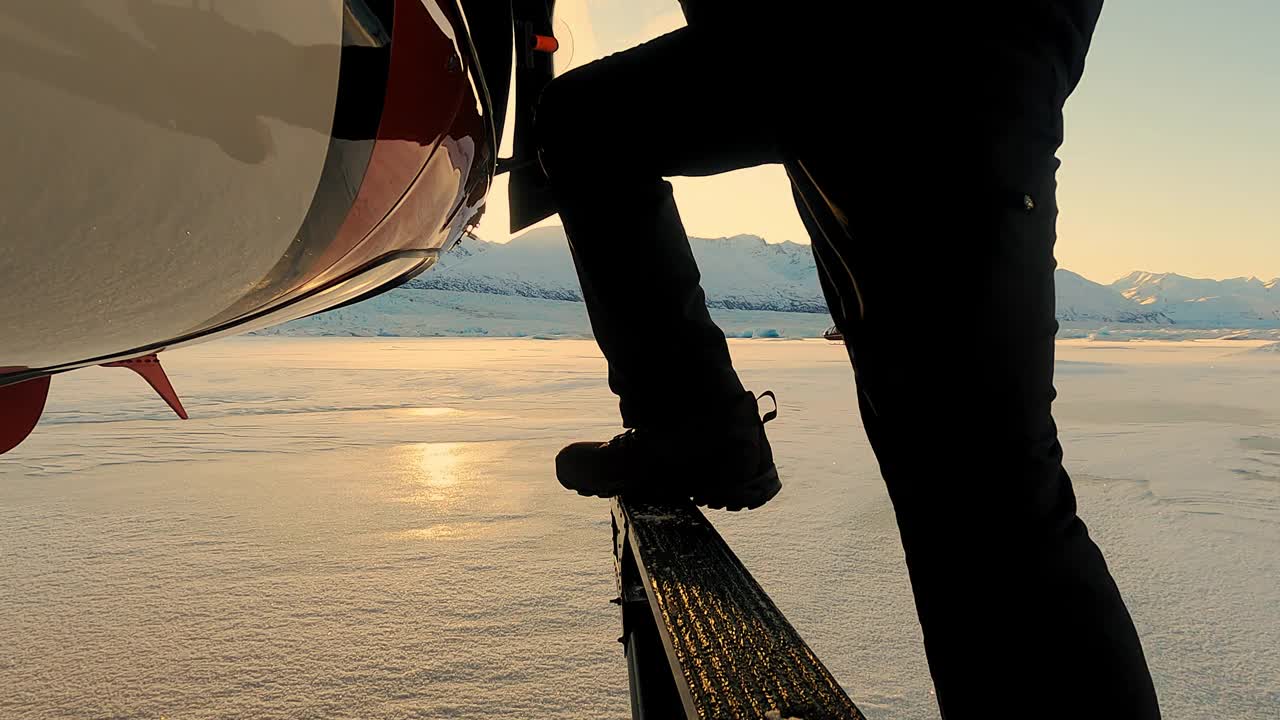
182	171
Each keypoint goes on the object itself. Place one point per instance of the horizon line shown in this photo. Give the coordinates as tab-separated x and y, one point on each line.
526	232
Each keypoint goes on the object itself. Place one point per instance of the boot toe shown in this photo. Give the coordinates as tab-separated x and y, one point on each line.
578	468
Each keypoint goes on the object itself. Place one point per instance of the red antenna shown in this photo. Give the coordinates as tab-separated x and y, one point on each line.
148	366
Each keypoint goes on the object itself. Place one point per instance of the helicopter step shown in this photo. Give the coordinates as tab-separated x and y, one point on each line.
701	637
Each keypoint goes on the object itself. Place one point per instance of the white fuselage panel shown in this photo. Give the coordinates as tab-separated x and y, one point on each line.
158	159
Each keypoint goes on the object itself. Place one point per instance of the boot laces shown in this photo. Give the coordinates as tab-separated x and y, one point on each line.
623	440
627	439
772	413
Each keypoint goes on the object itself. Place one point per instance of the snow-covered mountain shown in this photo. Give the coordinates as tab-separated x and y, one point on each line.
1082	300
529	287
1198	302
738	273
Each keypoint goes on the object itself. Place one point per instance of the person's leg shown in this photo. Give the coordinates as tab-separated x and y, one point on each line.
945	295
609	133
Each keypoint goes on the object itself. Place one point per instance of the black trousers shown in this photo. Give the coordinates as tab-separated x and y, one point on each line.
928	190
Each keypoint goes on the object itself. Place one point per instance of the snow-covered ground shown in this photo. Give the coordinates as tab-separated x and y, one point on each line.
371	528
428	313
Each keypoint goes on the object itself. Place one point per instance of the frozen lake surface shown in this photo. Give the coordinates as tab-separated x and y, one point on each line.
371	528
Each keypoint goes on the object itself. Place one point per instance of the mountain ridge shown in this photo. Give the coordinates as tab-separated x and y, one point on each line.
1197	302
528	288
744	272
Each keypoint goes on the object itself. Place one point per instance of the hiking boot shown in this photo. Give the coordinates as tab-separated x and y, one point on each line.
724	463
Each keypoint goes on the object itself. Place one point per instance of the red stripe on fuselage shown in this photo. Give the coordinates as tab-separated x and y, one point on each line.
426	84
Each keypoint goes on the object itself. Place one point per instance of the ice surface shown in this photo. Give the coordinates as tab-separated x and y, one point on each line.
371	528
413	312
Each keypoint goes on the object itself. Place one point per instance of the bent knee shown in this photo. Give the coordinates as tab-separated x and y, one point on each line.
565	128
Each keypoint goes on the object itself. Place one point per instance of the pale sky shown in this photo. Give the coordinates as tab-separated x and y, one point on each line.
1172	153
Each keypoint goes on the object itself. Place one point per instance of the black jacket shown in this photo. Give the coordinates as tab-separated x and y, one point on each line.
1057	31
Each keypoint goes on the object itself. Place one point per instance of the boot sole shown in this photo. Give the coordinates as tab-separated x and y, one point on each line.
747	496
